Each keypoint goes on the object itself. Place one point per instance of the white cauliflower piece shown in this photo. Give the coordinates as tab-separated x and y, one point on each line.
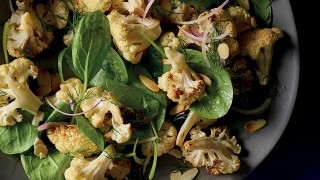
167	138
216	152
84	6
121	132
177	11
181	83
168	39
27	34
135	7
15	92
81	168
68	139
126	32
69	92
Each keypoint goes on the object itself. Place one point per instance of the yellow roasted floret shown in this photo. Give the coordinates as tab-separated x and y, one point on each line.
84	6
167	138
126	32
241	18
169	39
68	139
258	44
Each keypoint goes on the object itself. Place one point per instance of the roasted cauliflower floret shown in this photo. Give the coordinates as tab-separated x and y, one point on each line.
177	11
221	20
84	6
68	139
216	152
27	34
81	168
119	168
167	138
69	92
107	108
126	32
15	92
60	12
168	39
258	44
241	18
181	83
134	7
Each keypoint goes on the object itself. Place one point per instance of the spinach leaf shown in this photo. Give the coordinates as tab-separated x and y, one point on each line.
90	132
90	45
134	71
20	137
153	64
113	68
52	167
262	10
129	96
56	116
219	94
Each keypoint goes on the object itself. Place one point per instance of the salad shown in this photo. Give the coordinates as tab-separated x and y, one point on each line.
132	81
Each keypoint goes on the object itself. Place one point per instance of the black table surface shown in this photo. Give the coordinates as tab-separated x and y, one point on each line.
296	155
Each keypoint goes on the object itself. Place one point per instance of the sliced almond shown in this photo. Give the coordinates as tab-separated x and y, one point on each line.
44	79
178	108
190	174
206	79
176	175
223	50
43	91
55	82
176	153
255	125
149	83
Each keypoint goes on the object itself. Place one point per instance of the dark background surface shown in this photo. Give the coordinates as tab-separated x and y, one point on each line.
297	154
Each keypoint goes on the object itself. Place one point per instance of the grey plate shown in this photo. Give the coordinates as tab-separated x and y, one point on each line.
256	146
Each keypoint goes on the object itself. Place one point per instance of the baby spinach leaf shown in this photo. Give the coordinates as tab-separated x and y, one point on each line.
90	45
56	116
20	137
129	96
153	64
113	68
51	167
262	10
90	132
134	71
219	96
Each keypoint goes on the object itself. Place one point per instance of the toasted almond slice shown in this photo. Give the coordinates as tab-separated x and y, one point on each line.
44	79
42	91
55	82
176	175
190	174
177	109
223	50
206	79
176	153
255	125
149	83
